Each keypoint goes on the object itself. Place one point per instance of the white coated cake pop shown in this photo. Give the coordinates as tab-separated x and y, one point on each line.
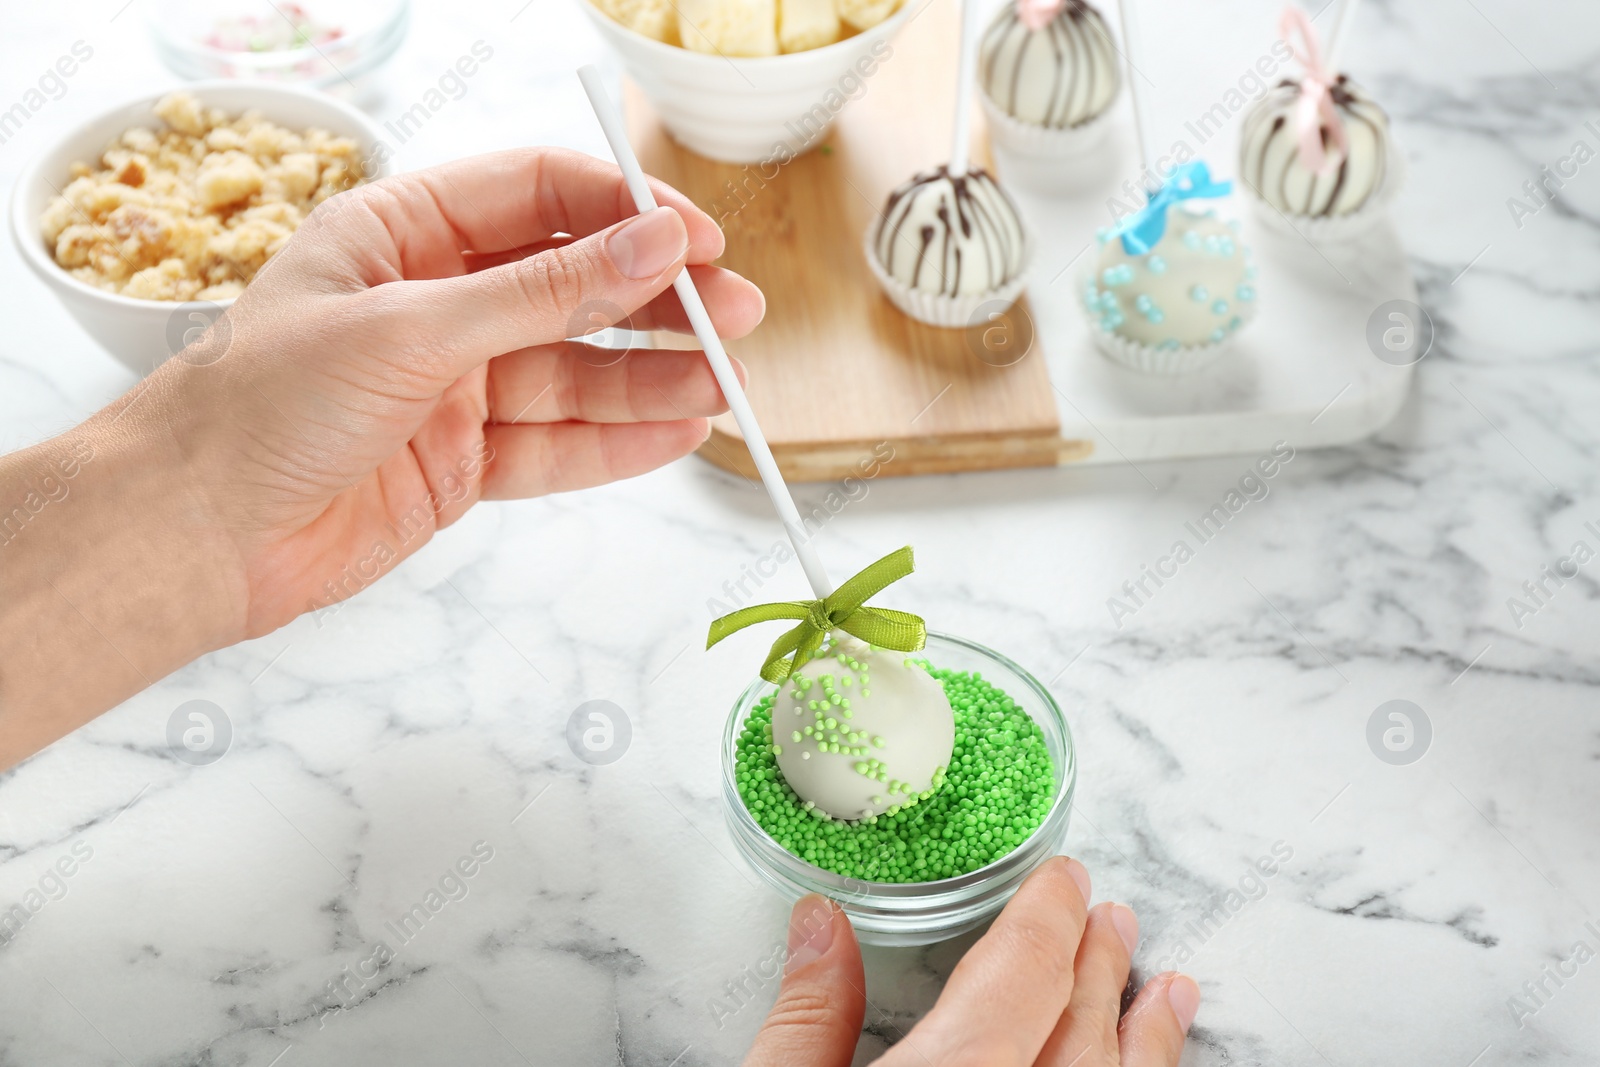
951	236
1270	154
1195	287
859	732
1049	64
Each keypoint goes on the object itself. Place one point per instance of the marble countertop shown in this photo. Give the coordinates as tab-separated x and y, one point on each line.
423	725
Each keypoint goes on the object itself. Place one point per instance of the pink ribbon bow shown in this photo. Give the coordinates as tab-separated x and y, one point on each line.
1036	14
1316	109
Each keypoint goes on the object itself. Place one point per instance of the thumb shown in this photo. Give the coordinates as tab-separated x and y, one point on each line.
817	1018
562	292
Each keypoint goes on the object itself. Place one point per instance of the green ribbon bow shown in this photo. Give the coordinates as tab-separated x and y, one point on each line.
843	609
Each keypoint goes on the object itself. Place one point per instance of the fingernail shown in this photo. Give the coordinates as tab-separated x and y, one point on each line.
649	244
1184	996
1080	875
810	932
1127	924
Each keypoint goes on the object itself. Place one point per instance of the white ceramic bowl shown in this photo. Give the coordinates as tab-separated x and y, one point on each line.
137	331
751	110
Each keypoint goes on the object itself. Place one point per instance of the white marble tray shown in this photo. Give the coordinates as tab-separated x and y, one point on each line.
1302	372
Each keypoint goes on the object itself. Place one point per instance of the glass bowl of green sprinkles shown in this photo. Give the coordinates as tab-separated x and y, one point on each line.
946	864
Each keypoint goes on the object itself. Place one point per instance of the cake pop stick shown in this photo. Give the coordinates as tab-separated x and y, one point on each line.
1132	49
777	490
961	137
1340	34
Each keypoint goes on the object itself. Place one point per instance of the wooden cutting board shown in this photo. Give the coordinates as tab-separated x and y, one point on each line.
838	376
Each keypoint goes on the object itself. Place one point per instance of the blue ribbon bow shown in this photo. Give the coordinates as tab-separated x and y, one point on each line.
1143	230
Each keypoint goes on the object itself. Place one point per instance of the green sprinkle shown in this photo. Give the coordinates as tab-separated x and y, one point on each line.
990	799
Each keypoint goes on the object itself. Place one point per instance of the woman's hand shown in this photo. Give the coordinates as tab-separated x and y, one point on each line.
402	357
1043	988
407	356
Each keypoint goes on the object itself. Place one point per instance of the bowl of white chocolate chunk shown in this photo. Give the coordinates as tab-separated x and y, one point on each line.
149	219
750	81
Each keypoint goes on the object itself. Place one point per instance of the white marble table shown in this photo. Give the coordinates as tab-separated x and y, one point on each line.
210	907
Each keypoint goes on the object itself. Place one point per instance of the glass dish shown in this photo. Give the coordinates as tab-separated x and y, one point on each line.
924	912
369	32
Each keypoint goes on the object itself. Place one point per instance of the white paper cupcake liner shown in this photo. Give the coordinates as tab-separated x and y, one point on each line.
1043	143
1336	229
1151	359
950	312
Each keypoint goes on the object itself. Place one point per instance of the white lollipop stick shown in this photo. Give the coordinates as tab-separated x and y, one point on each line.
754	439
961	138
1340	34
1132	51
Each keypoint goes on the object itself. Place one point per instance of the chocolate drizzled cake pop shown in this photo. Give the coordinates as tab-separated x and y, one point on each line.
950	242
1316	152
1049	63
1353	163
950	235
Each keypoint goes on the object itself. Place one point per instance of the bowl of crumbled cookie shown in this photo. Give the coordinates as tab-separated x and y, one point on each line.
149	219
